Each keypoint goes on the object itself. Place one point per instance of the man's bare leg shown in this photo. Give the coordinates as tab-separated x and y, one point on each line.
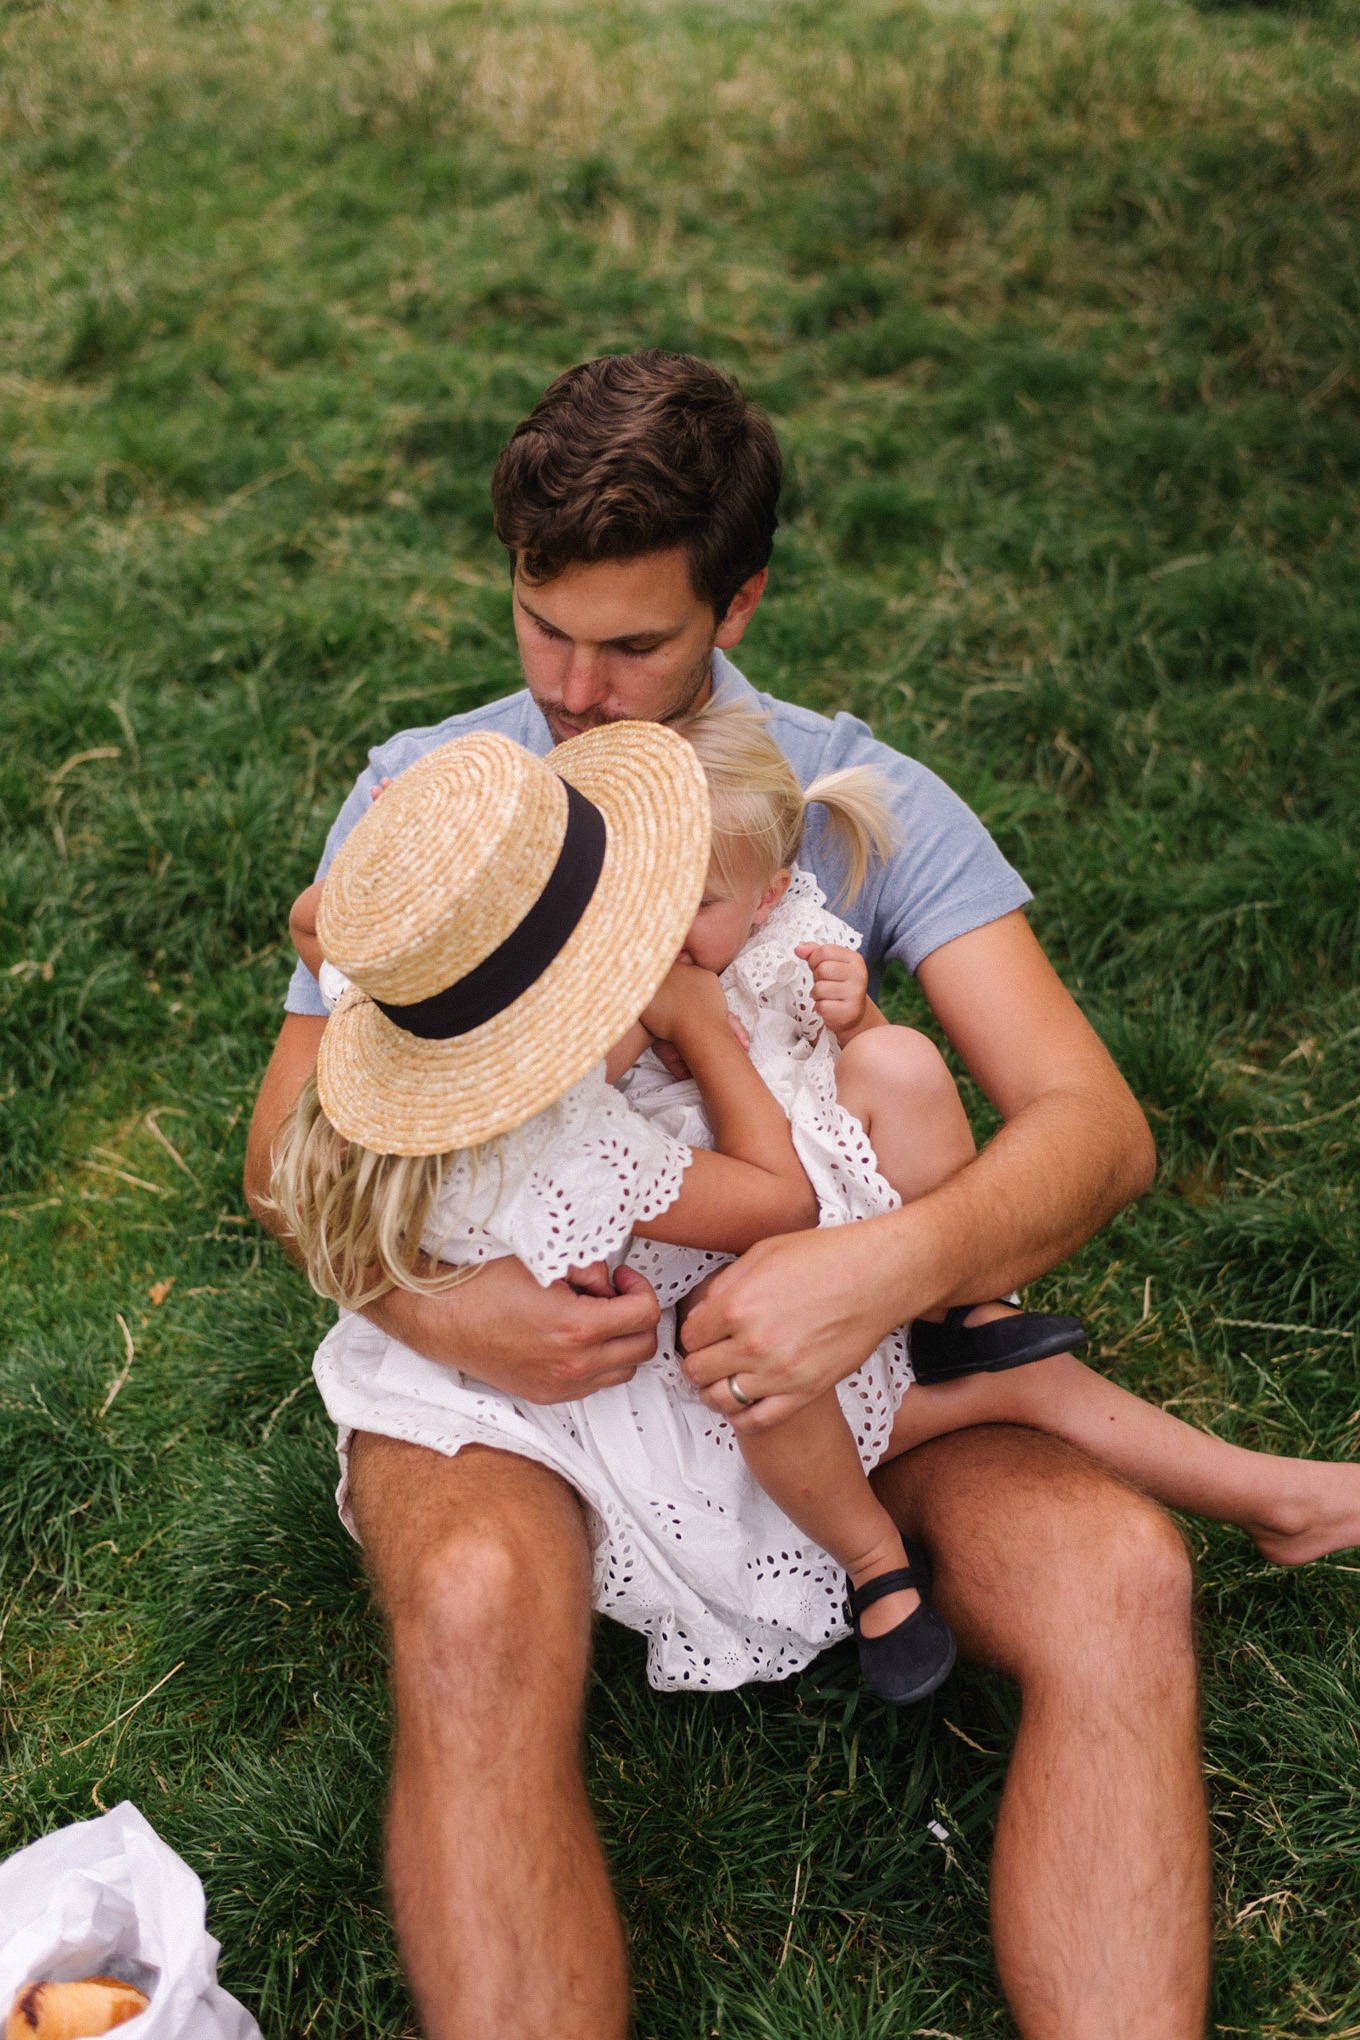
1050	1569
500	1896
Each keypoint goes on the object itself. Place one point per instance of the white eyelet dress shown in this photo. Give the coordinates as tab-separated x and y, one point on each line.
687	1548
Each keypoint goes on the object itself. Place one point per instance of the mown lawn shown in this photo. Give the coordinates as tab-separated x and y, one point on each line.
1056	310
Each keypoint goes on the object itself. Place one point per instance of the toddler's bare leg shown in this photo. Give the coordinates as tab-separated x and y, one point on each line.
898	1086
810	1467
1293	1509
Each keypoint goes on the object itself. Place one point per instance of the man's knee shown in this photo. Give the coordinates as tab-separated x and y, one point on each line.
1119	1564
1048	1562
480	1606
480	1565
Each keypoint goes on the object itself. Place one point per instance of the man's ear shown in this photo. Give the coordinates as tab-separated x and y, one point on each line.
770	898
740	610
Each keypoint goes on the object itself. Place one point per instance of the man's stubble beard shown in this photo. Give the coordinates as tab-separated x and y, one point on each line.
687	694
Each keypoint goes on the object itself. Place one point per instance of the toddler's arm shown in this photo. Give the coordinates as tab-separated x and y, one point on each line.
840	989
302	915
302	926
625	1053
754	1185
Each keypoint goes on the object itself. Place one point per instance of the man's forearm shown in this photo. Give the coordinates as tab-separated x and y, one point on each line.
796	1315
1049	1180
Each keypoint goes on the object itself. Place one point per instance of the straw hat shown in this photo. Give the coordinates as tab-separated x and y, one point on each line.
503	921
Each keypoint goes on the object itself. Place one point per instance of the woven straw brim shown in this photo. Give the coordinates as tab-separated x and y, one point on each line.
399	1095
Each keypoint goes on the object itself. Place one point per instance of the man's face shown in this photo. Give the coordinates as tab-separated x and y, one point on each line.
622	640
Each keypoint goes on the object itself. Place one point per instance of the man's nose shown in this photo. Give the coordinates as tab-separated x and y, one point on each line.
584	684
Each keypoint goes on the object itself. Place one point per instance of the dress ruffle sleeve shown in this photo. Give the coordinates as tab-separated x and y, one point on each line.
562	1191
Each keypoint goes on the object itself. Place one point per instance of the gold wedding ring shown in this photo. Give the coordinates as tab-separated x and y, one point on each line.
744	1402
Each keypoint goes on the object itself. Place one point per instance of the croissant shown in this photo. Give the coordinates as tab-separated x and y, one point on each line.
73	2011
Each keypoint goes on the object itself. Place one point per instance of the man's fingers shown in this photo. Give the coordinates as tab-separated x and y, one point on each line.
631	1312
575	1389
764	1415
628	1282
592	1280
704	1326
714	1363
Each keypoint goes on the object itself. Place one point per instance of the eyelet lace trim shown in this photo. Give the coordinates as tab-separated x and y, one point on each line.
563	1190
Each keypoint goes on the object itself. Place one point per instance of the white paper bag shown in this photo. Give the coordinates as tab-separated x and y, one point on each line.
109	1898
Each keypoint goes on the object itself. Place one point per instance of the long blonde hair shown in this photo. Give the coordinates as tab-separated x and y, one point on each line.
357	1216
760	810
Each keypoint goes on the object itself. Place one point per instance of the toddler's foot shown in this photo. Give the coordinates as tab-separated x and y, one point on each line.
882	1615
987	1338
903	1659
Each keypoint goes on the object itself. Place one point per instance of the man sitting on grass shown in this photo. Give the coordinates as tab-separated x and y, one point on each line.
649	487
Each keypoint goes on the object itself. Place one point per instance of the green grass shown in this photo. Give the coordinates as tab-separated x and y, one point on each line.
1056	310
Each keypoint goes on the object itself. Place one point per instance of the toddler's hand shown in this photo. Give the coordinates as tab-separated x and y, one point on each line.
302	925
840	984
374	792
687	998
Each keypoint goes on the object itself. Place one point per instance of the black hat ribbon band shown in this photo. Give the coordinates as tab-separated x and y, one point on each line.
527	950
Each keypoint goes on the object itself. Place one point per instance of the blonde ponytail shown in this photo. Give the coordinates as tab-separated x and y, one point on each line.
760	810
864	828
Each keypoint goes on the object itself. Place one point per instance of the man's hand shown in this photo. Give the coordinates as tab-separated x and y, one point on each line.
543	1345
792	1317
840	988
546	1345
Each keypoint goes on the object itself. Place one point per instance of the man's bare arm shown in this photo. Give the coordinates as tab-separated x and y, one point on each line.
546	1345
797	1314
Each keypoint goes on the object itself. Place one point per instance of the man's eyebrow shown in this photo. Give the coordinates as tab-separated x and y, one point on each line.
658	635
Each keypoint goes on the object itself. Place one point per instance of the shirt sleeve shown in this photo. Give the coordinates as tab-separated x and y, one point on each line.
947	876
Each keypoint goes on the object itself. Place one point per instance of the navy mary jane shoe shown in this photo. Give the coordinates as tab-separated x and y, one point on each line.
949	1351
912	1659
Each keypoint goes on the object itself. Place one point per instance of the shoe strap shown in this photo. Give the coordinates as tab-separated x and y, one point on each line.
887	1583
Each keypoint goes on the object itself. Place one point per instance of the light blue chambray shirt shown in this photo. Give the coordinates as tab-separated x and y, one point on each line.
946	878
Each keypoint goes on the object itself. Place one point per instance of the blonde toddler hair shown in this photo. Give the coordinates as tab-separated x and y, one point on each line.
760	810
358	1217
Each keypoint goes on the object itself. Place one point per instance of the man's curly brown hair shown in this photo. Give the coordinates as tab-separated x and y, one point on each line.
640	453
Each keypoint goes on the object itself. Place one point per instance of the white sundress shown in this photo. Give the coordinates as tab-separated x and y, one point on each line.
688	1549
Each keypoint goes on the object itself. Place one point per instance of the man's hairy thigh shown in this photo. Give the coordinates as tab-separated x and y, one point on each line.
1042	1557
